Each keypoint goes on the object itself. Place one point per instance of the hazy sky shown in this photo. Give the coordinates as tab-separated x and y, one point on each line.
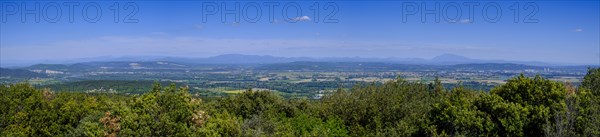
549	31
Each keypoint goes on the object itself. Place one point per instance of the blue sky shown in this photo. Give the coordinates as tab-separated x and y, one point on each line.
548	31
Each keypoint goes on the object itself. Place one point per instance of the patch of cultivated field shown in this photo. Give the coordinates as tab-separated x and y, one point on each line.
371	79
238	91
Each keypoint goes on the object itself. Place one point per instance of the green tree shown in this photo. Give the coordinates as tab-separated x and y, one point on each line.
457	115
588	104
541	97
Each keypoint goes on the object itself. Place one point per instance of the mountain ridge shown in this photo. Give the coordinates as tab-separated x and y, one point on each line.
443	59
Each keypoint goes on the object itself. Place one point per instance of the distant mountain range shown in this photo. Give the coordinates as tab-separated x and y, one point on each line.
446	62
45	70
445	59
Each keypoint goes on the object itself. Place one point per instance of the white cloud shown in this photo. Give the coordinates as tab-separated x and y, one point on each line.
302	18
199	27
466	21
460	21
578	30
235	24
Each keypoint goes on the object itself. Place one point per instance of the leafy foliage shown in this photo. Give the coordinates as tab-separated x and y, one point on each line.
524	106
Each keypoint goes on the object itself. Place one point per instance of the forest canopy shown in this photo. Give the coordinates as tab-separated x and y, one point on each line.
524	106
